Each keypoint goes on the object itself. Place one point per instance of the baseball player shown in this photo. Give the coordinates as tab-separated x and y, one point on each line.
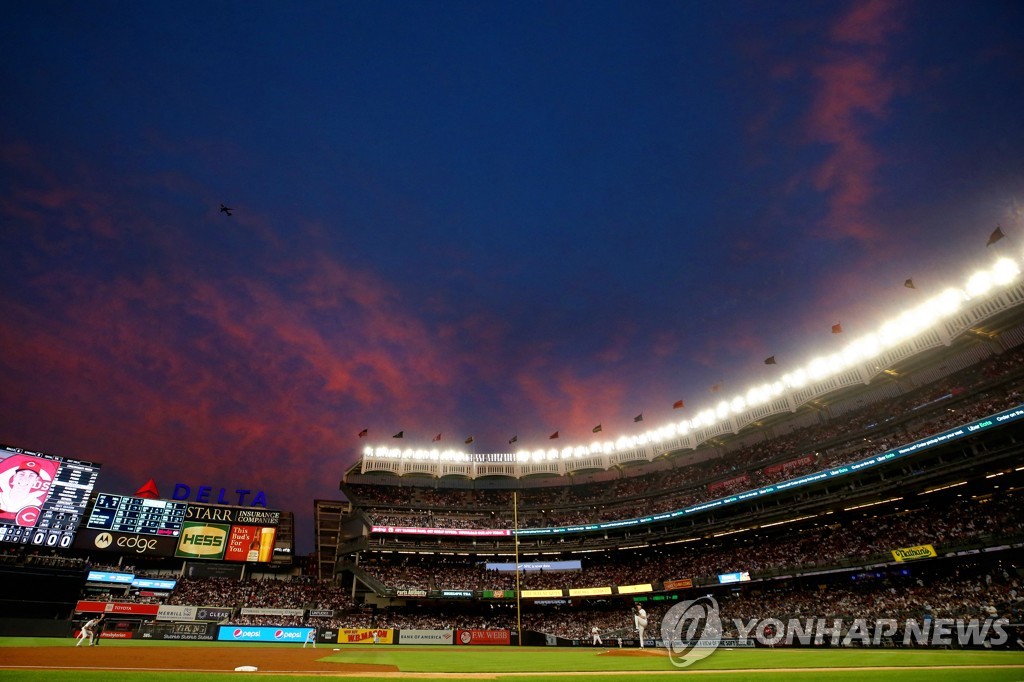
596	632
310	638
640	621
97	631
87	630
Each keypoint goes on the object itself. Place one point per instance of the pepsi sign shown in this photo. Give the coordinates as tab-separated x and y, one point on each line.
249	633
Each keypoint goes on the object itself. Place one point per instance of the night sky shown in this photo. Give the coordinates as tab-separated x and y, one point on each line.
465	218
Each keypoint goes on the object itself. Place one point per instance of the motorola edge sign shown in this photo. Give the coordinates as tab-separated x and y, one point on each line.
126	543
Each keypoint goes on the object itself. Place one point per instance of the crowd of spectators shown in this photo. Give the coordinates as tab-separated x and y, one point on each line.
945	523
270	593
895	597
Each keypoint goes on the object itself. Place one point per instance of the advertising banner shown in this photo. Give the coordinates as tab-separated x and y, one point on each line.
154	584
742	479
250	543
203	540
252	633
425	637
213	613
492	637
106	577
243	516
681	584
499	594
633	589
176	631
117	608
791	464
409	592
364	635
126	543
533	594
256	611
462	532
321	613
728	578
168	612
911	553
589	591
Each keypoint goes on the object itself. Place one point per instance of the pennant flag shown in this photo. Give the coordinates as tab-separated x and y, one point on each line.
148	491
513	439
640	417
400	434
362	434
996	235
678	405
770	361
596	429
469	440
715	388
909	284
553	435
837	328
437	437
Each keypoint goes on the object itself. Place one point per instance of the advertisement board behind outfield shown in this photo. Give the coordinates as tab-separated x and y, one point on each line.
365	635
483	637
425	637
252	633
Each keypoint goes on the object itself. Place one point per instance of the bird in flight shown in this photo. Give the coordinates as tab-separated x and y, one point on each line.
225	209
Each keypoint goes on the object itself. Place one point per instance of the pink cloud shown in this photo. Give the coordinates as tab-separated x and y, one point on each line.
853	92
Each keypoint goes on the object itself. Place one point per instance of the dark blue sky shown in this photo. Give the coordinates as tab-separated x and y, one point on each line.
486	219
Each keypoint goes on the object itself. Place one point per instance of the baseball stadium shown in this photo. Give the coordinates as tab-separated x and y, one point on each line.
858	519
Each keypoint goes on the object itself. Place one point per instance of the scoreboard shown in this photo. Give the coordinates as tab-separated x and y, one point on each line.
42	497
165	528
122	514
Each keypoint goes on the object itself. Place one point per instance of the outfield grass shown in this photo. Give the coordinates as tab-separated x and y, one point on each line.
538	663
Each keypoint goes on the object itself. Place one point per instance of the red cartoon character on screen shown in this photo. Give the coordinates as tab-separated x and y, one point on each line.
24	484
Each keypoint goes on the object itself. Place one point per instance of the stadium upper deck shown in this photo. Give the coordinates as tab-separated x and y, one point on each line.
953	330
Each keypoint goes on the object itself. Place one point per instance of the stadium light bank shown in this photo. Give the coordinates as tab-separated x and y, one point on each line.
912	323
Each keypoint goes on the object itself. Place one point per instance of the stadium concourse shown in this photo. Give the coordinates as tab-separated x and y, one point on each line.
896	499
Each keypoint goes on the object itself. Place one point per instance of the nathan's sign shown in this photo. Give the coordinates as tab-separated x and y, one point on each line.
680	584
235	515
911	553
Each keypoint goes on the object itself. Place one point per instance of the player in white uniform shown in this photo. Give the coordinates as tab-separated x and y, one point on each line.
310	638
640	622
596	632
87	631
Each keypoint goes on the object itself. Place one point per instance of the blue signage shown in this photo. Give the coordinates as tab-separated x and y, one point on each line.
107	577
154	584
252	633
203	493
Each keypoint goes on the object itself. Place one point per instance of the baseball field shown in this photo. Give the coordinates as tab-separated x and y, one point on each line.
25	659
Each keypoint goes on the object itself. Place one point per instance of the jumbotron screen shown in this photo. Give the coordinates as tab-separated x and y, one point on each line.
42	497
